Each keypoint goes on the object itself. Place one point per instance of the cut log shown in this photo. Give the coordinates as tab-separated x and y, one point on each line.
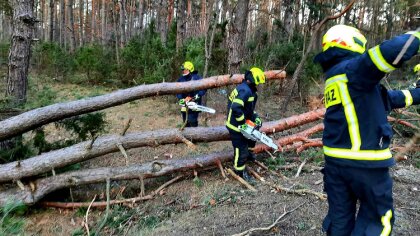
44	115
298	137
147	170
107	144
44	186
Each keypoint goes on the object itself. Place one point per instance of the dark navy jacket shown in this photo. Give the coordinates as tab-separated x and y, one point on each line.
357	132
241	105
191	76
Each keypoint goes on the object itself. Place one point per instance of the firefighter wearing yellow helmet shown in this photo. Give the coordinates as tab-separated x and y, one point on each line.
357	135
189	74
241	107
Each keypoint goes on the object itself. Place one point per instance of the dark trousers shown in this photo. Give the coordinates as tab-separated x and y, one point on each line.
373	189
192	118
241	146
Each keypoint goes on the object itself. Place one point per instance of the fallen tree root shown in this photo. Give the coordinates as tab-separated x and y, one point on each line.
112	202
254	230
108	144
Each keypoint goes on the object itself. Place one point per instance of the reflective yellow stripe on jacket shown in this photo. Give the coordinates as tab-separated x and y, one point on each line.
361	155
408	98
337	91
379	61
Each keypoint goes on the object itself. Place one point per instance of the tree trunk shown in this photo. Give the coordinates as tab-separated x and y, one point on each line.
42	17
62	23
103	22
181	23
208	45
42	187
237	35
288	18
170	13
45	115
81	27
71	26
93	22
163	15
107	144
86	21
141	12
122	4
52	26
20	51
116	31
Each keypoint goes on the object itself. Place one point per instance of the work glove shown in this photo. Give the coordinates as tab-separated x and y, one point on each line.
181	102
196	97
258	121
188	99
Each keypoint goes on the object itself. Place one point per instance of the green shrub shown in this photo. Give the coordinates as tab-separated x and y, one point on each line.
11	222
4	53
52	60
96	62
145	59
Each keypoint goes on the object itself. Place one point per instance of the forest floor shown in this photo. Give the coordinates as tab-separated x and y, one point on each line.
207	204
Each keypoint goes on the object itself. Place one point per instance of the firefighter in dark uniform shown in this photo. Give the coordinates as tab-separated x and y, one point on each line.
189	74
357	135
241	106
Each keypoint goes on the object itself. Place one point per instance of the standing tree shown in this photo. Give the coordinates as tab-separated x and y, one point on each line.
23	25
237	35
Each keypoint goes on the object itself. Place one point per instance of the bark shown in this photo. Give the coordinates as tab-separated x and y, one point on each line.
141	9
300	137
237	35
45	115
108	144
181	23
81	31
62	22
20	51
41	16
40	188
52	26
87	27
170	13
103	22
208	46
71	25
163	15
122	4
93	22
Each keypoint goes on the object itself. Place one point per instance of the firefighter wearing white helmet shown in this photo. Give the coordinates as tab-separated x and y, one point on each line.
357	135
241	107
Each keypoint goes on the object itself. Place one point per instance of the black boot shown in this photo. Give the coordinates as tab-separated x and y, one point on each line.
244	175
251	157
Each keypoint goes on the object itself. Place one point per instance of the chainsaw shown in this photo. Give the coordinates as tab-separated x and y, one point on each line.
250	131
195	107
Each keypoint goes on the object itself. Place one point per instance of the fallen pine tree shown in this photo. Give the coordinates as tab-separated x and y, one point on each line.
44	115
35	190
49	161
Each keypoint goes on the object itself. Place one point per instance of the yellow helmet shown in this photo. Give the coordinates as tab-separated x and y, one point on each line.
416	68
345	37
187	66
258	74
